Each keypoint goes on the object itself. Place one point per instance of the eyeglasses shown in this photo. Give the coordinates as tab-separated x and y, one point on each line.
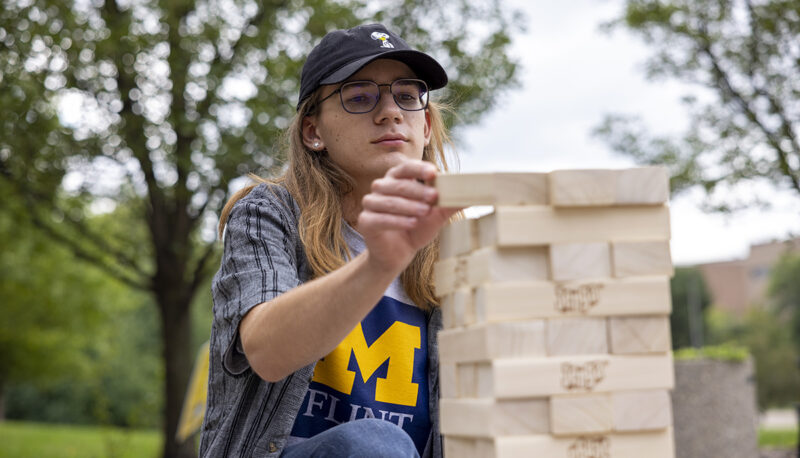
363	96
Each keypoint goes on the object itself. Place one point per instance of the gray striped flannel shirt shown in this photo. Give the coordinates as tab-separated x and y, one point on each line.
262	258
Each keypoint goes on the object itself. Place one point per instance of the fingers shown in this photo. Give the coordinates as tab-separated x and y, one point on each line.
395	205
406	188
370	221
413	169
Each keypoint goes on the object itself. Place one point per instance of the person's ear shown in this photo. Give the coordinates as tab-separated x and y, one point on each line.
311	136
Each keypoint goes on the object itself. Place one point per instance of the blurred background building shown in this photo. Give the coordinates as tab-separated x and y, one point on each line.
737	285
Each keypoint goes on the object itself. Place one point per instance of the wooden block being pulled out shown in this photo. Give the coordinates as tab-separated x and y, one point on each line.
647	257
464	190
583	187
656	444
538	299
536	377
641	410
639	334
520	226
490	418
636	186
495	340
581	414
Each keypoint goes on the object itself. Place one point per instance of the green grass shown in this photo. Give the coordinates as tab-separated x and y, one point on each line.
41	440
777	438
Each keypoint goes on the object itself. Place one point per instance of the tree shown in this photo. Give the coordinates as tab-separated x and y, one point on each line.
161	104
768	338
690	299
784	292
46	322
76	345
745	54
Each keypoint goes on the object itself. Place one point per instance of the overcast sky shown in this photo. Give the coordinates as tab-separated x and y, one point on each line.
572	74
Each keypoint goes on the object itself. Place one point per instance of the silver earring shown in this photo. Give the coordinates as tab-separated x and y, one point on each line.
316	144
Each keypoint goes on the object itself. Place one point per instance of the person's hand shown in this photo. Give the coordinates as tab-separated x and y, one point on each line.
399	215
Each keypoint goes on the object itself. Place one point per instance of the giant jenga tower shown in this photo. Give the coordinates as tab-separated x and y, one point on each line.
556	315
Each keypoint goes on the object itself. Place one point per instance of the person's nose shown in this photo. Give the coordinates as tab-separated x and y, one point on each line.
387	108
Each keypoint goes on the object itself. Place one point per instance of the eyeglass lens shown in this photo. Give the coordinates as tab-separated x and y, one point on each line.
363	96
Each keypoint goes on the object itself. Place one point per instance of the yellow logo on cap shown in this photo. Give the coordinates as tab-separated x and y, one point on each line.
383	37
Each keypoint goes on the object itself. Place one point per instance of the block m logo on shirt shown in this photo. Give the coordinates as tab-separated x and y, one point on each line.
396	344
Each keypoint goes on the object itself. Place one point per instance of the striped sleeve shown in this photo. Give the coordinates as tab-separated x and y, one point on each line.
259	262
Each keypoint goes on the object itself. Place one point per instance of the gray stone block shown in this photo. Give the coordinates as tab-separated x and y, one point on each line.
714	407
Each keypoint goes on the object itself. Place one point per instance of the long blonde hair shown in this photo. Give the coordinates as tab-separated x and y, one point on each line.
317	184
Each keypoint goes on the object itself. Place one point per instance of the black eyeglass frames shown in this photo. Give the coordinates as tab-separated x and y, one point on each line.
359	97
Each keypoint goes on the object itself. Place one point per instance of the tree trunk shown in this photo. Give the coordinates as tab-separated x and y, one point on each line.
176	338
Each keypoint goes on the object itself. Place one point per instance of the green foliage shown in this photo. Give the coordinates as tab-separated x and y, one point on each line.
768	338
32	440
784	291
745	133
156	107
688	291
724	352
75	345
48	318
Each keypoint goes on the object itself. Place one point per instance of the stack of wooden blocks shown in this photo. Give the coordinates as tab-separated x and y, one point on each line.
556	314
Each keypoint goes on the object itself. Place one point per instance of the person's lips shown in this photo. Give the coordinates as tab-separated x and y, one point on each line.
390	140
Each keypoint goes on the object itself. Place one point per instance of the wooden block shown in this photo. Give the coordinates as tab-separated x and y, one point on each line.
448	380
464	190
537	377
642	186
639	334
576	336
521	226
532	300
578	261
583	187
449	274
650	257
464	307
489	418
467	447
507	264
641	410
520	189
655	444
635	186
444	276
458	308
458	237
448	311
495	340
473	379
581	414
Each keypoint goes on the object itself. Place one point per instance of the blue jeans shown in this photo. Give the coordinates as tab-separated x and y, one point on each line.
367	437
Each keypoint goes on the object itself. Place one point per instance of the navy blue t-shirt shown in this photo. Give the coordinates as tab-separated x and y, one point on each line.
379	370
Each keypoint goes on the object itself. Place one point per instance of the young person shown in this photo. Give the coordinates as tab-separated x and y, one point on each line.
324	333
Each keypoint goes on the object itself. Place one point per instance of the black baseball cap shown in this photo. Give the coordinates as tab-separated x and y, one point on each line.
341	53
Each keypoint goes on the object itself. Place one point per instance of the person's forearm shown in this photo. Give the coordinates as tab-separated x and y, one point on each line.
306	323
